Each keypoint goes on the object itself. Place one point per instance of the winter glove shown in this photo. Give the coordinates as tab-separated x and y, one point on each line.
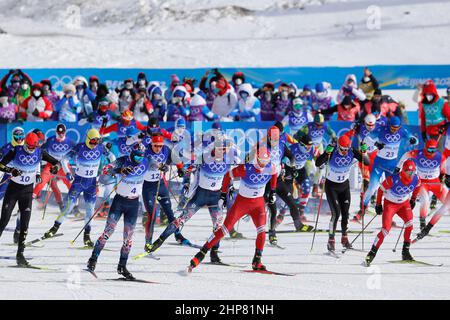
357	127
329	149
413	141
396	170
424	136
180	172
35	112
379	209
442	177
141	135
38	178
104	121
334	139
412	203
272	197
185	188
15	172
126	170
108	146
164	168
295	174
69	177
379	145
364	147
441	130
222	200
55	169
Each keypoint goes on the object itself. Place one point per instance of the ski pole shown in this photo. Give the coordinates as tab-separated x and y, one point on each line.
343	251
7	179
47	198
398	239
98	209
320	203
152	217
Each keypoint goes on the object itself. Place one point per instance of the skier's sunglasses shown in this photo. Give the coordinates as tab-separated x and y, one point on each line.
431	150
94	141
158	146
19	137
343	149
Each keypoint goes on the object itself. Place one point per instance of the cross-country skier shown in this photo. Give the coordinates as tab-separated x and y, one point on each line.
18	139
250	200
58	146
160	157
431	171
298	117
87	157
25	171
337	186
400	191
204	190
125	202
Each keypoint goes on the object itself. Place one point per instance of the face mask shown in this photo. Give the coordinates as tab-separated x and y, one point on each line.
142	82
80	88
213	85
128	85
24	86
36	93
15	84
284	95
238	81
4	101
366	79
177	100
94	86
46	88
322	95
430	97
157	96
268	95
244	95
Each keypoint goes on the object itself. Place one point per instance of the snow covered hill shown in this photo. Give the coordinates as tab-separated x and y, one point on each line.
203	33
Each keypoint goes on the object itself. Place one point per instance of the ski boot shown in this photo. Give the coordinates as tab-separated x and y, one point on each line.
21	261
406	256
345	243
256	263
214	256
181	240
373	200
424	232
16	236
273	237
423	223
91	264
87	240
198	258
51	233
371	255
331	245
315	192
236	235
123	271
153	247
433	202
300	227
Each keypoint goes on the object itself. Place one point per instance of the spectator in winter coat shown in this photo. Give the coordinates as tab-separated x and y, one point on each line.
23	93
174	82
141	82
178	106
225	100
283	101
94	84
434	111
248	107
16	80
84	95
36	107
266	96
307	96
198	110
322	99
156	97
69	106
368	83
383	104
141	106
350	88
7	110
129	85
209	89
125	98
348	110
237	79
47	91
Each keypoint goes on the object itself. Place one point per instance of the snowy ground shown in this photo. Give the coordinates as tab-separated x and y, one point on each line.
222	33
317	276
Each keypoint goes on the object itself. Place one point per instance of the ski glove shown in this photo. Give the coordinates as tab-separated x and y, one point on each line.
413	141
15	172
272	197
127	170
379	145
69	177
442	130
55	169
379	209
180	172
38	178
412	203
396	170
104	121
222	200
164	168
329	149
364	147
35	112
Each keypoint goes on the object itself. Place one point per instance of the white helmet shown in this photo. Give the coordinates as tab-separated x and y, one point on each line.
370	120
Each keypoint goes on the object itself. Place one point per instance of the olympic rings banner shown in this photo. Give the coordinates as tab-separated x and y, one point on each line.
391	77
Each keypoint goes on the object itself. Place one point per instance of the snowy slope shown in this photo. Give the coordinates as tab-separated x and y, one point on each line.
189	33
317	276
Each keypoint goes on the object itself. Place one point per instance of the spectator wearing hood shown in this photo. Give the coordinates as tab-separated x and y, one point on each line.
178	106
347	110
155	94
266	96
248	108
283	101
225	101
322	99
174	82
368	84
141	106
37	107
16	80
209	89
141	82
198	110
85	96
8	110
350	88
94	83
69	106
434	111
307	96
47	92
